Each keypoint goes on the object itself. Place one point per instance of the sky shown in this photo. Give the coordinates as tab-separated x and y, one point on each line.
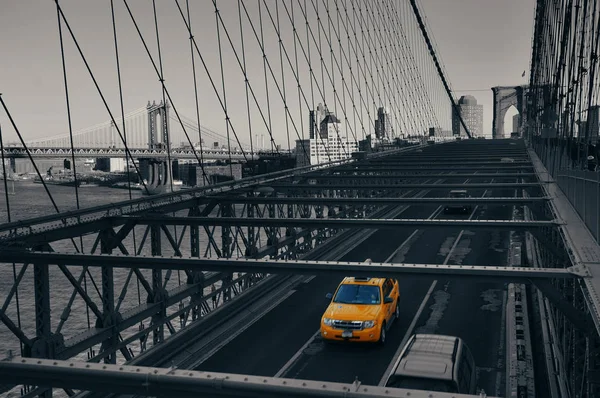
482	43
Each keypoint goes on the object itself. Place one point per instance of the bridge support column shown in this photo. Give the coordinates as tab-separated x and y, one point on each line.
272	231
159	176
158	292
197	277
251	248
289	232
227	248
42	346
108	300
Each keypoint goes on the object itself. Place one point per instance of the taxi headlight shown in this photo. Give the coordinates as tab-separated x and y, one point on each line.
327	321
368	324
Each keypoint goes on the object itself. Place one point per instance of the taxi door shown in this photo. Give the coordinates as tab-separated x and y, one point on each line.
387	290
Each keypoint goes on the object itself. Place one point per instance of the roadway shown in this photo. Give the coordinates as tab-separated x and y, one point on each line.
284	342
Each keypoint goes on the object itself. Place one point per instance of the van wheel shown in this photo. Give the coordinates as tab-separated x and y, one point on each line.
397	312
382	334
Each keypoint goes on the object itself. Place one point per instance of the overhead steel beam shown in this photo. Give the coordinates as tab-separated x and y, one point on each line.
303	267
452	157
432	167
333	222
377	200
360	187
453	163
397	176
171	382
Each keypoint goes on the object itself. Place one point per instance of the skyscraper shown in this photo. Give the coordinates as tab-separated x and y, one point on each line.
315	118
471	113
516	123
327	142
383	124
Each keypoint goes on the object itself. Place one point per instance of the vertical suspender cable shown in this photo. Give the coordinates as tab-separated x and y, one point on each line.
205	178
8	216
437	65
246	82
227	120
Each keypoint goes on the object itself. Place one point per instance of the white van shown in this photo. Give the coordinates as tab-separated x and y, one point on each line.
435	363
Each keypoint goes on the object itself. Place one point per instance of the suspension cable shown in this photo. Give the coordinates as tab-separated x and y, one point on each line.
164	120
64	68
205	178
227	122
92	76
246	82
438	66
8	216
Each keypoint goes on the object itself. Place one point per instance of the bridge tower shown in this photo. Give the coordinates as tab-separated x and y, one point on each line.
504	98
157	172
155	111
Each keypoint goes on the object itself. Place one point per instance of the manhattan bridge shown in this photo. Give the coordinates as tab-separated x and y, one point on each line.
219	290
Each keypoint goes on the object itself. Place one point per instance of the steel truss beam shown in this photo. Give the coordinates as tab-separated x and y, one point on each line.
165	202
279	246
333	222
304	267
451	163
363	187
432	167
361	175
378	200
169	382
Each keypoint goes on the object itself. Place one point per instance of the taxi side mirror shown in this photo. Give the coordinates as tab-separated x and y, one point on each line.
388	300
329	296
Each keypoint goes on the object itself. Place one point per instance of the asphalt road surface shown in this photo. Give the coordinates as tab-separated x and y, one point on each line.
284	342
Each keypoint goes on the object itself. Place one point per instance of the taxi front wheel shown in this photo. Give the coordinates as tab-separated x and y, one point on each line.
382	335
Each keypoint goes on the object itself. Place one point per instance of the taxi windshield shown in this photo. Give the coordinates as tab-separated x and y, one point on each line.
357	294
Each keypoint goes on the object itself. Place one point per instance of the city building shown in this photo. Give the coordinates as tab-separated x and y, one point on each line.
516	123
330	144
593	124
472	114
315	118
437	134
383	124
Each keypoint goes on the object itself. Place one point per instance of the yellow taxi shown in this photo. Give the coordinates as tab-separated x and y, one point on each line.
362	309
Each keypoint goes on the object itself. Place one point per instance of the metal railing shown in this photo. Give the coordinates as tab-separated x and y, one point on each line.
582	187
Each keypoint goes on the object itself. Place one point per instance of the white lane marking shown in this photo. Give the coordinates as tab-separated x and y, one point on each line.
407	334
412	325
293	359
298	353
256	317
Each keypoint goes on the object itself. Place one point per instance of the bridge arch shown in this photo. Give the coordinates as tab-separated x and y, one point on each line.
512	120
506	97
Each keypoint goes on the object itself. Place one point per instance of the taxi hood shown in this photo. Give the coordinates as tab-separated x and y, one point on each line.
352	312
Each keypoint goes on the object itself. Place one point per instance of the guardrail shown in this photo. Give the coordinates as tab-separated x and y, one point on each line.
582	188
